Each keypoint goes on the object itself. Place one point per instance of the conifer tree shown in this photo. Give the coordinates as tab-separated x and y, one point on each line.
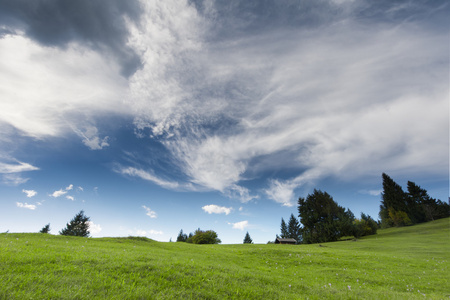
78	226
294	229
248	239
182	237
393	206
284	229
45	229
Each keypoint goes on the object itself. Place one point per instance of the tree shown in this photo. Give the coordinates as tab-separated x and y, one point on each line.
393	203
205	237
283	229
45	229
78	226
365	226
294	229
425	208
248	239
182	237
323	219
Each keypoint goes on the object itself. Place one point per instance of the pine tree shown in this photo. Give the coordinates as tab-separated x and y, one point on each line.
78	226
393	203
294	229
284	230
182	237
45	229
248	239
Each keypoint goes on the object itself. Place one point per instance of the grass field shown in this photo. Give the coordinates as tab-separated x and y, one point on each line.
397	263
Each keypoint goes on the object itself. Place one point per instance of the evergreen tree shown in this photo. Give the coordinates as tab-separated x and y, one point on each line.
284	230
182	237
294	229
248	239
45	229
425	208
393	206
323	219
78	226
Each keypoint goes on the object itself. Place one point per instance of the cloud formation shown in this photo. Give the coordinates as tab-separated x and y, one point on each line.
247	99
30	193
26	205
150	212
215	209
239	225
58	193
94	229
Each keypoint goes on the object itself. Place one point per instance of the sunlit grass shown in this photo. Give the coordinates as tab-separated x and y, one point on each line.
398	263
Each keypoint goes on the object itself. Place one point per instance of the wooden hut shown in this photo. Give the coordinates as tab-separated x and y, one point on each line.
285	241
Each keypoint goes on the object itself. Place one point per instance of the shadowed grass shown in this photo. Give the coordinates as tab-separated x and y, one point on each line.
398	263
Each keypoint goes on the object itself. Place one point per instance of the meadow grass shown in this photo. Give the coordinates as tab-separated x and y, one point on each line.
397	263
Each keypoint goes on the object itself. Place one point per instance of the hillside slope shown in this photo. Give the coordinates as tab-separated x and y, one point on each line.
398	263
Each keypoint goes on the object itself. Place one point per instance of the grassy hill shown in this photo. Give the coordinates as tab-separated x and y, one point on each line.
398	263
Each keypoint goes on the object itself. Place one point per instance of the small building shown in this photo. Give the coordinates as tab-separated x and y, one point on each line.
285	241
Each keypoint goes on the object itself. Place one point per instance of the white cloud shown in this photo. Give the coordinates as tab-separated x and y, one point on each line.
322	107
58	193
13	179
91	139
94	229
26	205
30	193
240	225
150	212
70	197
215	209
78	84
18	167
70	187
130	171
80	189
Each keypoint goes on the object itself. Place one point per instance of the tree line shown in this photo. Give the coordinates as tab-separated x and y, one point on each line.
321	219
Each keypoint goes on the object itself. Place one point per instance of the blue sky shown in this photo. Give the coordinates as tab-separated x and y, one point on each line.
157	116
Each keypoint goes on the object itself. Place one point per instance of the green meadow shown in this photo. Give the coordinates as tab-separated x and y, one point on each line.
397	263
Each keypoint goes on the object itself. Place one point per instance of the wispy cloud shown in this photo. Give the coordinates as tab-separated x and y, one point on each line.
26	205
69	188
30	193
58	193
131	171
215	209
16	167
150	212
91	139
70	197
240	225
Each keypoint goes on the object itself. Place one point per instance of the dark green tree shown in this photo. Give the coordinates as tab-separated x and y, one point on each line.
45	229
182	237
78	226
284	229
394	204
293	229
248	239
323	219
205	237
423	207
365	226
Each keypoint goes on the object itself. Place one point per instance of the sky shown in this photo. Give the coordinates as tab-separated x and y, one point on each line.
157	116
